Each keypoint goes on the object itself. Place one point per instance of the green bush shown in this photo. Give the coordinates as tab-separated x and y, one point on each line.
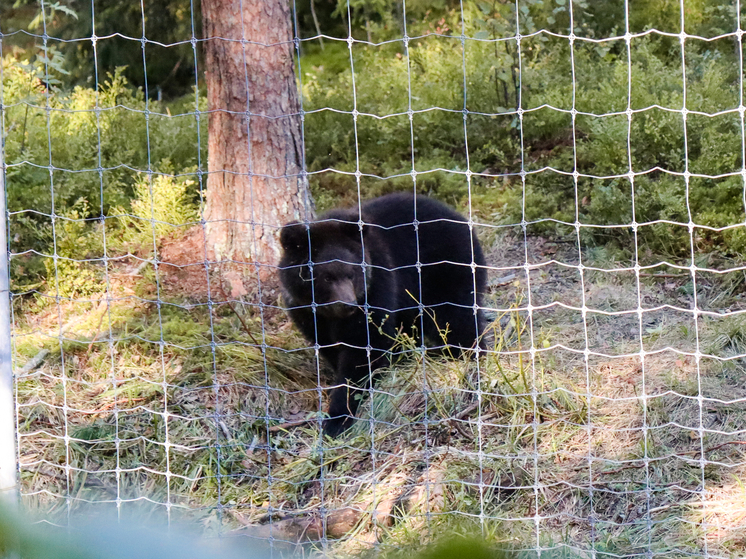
162	205
71	270
62	146
82	153
432	82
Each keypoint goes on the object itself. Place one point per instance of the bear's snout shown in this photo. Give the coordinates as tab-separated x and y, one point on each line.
342	299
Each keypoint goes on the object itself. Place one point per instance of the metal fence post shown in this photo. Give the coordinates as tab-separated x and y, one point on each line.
8	465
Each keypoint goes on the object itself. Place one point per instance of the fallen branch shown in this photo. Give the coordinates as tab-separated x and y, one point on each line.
309	527
461	429
649	275
716	447
34	362
499	282
463	413
605	472
283	426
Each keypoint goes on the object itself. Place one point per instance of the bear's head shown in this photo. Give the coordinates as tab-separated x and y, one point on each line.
323	262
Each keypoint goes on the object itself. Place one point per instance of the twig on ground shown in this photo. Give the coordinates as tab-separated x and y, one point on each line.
297	423
461	429
716	447
233	309
649	275
463	413
34	362
499	282
605	472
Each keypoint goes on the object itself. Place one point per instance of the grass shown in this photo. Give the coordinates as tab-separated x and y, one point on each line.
177	409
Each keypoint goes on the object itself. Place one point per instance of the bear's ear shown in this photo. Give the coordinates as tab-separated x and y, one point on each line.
350	227
293	235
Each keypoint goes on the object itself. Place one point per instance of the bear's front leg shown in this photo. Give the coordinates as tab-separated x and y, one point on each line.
353	375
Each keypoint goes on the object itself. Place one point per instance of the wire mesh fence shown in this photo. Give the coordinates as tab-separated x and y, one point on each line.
595	150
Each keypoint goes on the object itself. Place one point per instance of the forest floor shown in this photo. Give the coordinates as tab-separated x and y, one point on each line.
603	429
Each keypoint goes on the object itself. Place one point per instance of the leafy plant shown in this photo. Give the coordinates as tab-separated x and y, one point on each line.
162	204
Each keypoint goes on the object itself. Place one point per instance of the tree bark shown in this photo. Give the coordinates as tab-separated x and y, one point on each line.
255	152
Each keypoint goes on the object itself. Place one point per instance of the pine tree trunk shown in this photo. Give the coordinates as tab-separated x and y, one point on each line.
255	148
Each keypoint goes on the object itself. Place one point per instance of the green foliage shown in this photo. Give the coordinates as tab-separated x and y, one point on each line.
82	152
439	78
108	137
70	270
161	205
84	131
170	70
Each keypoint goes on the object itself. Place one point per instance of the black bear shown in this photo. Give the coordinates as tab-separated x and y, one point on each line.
355	277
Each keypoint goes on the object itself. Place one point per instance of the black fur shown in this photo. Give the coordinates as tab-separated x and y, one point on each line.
326	290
